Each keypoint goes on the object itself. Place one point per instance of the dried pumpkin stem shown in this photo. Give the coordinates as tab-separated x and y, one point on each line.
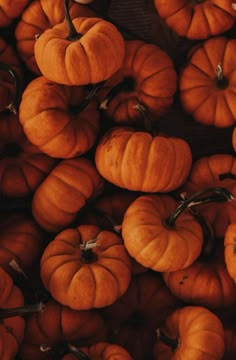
146	118
172	343
126	85
21	310
92	93
13	106
73	34
221	82
59	350
87	254
222	194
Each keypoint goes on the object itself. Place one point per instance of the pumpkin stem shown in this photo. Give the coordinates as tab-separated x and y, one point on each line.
234	6
221	82
84	103
87	254
13	106
127	85
147	119
115	227
227	175
220	194
21	310
172	343
73	34
61	349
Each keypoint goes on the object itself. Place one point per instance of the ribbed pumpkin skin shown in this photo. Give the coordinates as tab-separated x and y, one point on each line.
107	351
155	245
184	17
205	283
22	165
200	96
39	16
135	160
230	250
98	53
59	323
48	115
200	334
8	12
153	83
206	173
81	284
64	192
12	328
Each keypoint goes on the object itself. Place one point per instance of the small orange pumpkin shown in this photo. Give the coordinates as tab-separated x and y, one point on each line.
79	52
106	351
230	250
8	12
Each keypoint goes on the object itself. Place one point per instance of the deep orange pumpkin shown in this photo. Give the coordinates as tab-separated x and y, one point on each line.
8	12
230	250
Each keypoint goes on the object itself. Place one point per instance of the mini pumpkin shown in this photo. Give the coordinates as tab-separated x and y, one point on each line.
230	250
192	332
184	17
79	52
85	267
207	82
54	121
39	16
8	13
106	351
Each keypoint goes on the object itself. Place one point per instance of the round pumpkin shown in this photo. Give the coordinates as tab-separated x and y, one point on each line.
192	332
138	161
53	120
230	250
8	13
39	16
147	76
86	267
65	191
207	82
106	351
198	19
95	45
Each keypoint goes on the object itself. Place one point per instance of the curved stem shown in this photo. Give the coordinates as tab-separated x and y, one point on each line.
223	194
146	118
84	103
72	32
227	175
13	106
87	254
221	82
21	310
219	72
172	343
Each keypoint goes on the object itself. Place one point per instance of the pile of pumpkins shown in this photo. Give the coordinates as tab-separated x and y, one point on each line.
115	243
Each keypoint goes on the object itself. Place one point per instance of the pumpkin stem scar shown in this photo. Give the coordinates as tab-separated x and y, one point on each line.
13	106
22	310
127	85
227	175
73	35
222	194
172	343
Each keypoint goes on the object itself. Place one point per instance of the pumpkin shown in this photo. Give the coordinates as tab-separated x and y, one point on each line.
22	165
85	267
230	250
154	230
58	323
192	332
65	191
106	351
206	282
11	76
8	12
215	170
79	52
11	328
138	161
133	319
207	82
184	17
39	16
147	76
53	120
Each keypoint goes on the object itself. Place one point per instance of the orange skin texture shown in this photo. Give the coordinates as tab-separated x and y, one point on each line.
80	284
94	57
39	16
21	172
154	244
204	174
200	96
8	12
59	323
155	83
12	328
50	124
184	17
8	56
205	283
136	160
64	192
200	334
106	351
230	250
